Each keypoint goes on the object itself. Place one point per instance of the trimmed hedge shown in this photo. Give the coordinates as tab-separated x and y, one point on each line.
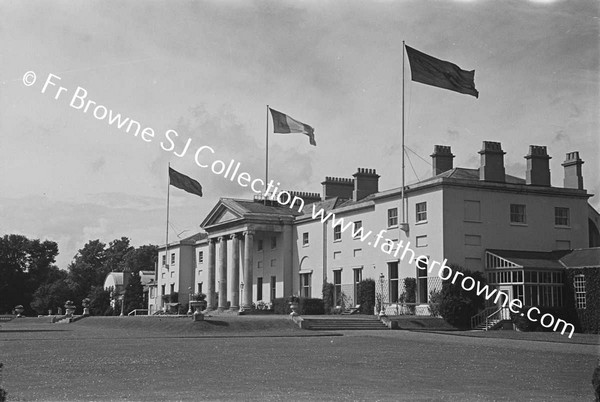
366	296
306	306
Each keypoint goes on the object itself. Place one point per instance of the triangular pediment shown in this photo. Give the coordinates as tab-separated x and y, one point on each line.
222	213
225	216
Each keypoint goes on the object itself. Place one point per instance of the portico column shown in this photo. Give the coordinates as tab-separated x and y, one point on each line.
211	303
234	286
248	261
222	273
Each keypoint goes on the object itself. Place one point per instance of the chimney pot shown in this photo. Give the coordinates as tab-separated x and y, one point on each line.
538	166
492	162
441	159
572	166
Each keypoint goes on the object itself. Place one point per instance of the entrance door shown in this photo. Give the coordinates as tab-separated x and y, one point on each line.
509	291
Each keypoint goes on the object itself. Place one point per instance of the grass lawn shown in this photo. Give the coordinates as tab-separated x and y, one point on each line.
271	360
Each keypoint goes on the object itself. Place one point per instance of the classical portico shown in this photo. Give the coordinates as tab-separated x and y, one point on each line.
233	271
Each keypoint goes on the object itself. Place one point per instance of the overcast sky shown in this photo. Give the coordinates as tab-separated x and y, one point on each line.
208	69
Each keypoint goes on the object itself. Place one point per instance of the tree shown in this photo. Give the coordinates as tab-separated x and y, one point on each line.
134	294
457	305
99	300
50	296
114	256
139	259
24	265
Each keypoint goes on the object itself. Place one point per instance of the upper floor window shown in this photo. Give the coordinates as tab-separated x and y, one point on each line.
200	257
357	226
259	245
517	213
164	259
421	210
392	217
337	232
579	285
561	216
305	239
172	258
273	242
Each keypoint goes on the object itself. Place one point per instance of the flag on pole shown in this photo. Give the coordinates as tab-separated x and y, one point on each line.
184	182
439	73
284	124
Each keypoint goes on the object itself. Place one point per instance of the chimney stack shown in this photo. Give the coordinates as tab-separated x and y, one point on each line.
337	187
366	182
538	166
572	165
441	159
492	162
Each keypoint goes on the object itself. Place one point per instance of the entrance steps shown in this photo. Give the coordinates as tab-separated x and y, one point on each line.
341	323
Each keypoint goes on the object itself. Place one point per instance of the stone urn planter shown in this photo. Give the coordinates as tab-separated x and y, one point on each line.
198	306
69	308
85	303
19	310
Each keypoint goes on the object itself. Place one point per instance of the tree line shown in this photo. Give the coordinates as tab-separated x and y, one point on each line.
29	276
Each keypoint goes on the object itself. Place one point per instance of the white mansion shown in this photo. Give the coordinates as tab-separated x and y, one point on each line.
478	218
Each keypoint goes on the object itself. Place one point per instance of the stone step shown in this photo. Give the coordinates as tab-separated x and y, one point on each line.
323	324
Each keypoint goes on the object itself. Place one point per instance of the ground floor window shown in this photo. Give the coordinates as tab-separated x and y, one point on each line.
422	284
357	280
543	295
273	288
393	283
259	288
579	285
305	285
337	287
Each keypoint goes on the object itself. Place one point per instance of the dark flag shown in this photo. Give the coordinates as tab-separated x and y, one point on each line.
184	182
439	73
284	124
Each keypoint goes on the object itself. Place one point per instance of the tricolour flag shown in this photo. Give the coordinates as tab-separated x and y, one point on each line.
284	124
184	182
439	73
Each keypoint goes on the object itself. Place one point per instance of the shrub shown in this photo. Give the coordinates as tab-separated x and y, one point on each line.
526	325
457	305
307	306
328	297
435	298
366	296
410	286
311	306
281	306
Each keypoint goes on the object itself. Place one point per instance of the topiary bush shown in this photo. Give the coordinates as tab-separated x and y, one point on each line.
457	305
328	304
366	296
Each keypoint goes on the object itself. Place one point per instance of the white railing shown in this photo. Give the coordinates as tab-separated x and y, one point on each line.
138	311
488	315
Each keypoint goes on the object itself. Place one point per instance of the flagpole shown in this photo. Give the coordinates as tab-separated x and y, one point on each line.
402	226
266	157
167	231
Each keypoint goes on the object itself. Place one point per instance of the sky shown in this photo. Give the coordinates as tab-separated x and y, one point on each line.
208	70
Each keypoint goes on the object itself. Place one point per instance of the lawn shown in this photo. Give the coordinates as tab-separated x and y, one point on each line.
271	360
